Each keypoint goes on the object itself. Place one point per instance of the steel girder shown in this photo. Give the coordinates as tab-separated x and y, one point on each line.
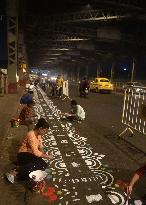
100	47
66	40
43	32
47	32
82	16
51	25
12	39
60	37
22	55
55	45
130	4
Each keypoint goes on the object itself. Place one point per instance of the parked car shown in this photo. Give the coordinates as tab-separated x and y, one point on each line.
101	84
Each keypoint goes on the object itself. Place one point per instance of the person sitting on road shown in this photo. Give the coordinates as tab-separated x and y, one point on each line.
137	174
30	155
27	115
77	112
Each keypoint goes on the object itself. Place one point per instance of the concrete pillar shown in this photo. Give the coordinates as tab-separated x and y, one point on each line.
98	69
12	39
133	70
78	73
2	84
5	84
71	76
112	70
22	59
87	67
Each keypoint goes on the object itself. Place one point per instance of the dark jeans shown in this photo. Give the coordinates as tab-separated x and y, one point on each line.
73	118
27	163
59	92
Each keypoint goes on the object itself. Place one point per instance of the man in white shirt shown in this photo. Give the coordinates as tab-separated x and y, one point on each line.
77	112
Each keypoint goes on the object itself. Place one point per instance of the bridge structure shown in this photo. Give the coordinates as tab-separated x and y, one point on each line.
71	35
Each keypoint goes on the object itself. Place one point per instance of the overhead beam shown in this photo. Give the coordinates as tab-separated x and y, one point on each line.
137	5
71	41
83	16
42	32
60	37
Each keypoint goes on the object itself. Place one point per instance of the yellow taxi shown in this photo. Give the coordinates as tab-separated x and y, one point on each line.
101	84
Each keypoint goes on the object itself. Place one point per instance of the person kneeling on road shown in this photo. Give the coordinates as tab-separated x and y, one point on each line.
30	153
27	115
76	113
136	176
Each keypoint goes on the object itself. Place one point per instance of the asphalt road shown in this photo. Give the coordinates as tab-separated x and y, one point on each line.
104	111
88	159
101	127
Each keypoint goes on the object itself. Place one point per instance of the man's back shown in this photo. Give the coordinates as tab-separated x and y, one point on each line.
80	112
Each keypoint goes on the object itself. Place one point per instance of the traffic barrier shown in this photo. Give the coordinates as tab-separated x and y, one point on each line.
118	87
134	110
65	89
1	84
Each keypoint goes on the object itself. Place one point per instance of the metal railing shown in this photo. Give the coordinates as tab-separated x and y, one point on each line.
134	110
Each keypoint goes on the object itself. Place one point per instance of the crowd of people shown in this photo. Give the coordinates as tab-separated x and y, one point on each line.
53	87
31	154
